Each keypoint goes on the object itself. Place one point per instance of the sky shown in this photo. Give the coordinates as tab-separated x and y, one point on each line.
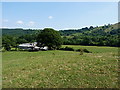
58	15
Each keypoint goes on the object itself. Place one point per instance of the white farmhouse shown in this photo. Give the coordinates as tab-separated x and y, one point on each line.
32	46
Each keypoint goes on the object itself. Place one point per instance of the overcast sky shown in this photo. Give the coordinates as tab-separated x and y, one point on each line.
58	15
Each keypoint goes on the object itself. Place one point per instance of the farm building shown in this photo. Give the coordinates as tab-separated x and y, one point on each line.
32	46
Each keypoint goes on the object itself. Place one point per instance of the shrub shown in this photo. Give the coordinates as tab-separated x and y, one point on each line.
67	49
83	50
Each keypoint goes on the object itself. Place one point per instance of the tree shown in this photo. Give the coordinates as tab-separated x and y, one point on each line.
6	42
91	27
49	37
9	42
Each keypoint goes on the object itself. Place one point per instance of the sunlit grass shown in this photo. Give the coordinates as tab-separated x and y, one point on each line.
61	69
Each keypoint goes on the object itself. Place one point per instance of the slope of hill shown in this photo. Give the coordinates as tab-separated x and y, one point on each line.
110	28
101	30
106	35
18	31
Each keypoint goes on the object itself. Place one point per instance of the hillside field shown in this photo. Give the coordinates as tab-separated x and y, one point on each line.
61	69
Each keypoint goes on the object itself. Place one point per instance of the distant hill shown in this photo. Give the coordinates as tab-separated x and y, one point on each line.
101	30
106	35
18	31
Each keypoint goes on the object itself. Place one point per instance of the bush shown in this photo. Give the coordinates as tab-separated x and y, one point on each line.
83	50
67	49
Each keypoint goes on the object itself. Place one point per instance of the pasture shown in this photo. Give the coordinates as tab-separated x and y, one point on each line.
61	69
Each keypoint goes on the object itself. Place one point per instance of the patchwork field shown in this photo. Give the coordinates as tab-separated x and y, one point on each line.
61	69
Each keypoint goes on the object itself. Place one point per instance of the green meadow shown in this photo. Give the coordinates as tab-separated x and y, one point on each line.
61	69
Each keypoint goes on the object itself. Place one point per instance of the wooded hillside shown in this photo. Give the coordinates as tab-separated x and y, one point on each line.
106	35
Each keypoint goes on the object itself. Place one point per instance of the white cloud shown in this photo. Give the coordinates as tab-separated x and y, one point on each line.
31	23
10	27
47	27
3	27
5	20
19	22
50	17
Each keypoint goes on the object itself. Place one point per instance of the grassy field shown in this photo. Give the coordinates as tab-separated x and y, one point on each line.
61	69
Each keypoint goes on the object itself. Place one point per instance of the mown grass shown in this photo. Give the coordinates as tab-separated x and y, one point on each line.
61	69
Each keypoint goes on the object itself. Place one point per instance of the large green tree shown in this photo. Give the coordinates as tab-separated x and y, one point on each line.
49	37
7	42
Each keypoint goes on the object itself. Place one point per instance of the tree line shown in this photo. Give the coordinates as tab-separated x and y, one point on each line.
47	37
107	35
